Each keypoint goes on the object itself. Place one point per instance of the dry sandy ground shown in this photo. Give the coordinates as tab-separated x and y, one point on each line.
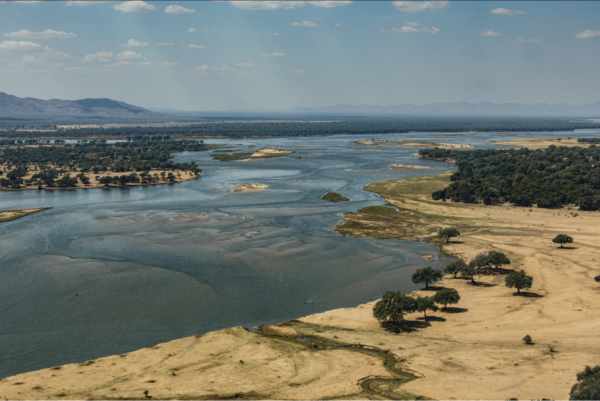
541	143
230	363
407	167
248	187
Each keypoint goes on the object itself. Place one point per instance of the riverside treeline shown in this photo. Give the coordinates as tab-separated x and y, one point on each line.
293	128
42	165
549	178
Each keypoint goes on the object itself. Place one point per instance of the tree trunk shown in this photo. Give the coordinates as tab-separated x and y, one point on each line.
561	245
518	291
425	313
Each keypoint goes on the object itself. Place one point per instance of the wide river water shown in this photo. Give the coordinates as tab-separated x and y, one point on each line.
108	271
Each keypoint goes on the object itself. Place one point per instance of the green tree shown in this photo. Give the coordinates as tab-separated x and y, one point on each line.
470	270
392	306
424	304
519	280
455	267
597	278
497	259
426	276
446	296
562	239
588	385
448	233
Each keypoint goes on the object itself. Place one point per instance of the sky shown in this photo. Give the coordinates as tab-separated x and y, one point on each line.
239	55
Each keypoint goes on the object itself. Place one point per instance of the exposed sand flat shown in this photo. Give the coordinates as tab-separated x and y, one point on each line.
455	134
541	143
248	187
228	363
8	215
268	152
407	167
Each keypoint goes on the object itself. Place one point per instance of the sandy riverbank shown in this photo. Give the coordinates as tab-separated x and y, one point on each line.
541	143
408	143
8	215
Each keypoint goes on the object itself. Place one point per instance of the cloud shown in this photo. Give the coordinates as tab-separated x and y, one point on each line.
205	68
521	40
11	46
298	72
266	4
411	7
165	44
102	57
119	64
129	55
179	10
54	54
196	47
307	24
272	34
135	6
82	3
47	34
412	27
343	26
134	43
329	4
491	33
167	64
275	54
504	11
244	65
588	33
192	30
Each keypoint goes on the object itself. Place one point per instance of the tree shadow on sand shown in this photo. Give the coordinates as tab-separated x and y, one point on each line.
527	294
454	310
432	288
407	326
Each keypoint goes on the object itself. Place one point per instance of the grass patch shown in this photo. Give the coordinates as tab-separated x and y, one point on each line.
382	211
334	197
230	157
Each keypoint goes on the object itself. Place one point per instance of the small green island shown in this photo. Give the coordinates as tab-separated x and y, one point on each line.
334	197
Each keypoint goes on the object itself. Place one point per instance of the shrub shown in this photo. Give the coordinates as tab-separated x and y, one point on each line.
527	339
334	197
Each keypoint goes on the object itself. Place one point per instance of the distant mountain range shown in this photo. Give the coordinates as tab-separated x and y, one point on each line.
462	109
28	107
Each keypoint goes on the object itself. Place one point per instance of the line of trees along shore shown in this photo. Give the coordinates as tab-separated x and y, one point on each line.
138	158
549	178
350	126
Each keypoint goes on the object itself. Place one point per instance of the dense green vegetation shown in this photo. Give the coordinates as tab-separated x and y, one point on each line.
230	157
291	128
138	158
334	197
588	140
588	385
549	178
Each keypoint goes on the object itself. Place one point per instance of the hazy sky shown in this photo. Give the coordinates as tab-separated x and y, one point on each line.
282	54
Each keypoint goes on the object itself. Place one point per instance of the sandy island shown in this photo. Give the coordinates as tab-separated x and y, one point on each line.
472	351
268	152
409	143
248	187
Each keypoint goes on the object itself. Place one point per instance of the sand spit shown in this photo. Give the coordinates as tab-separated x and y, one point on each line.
248	187
8	215
407	167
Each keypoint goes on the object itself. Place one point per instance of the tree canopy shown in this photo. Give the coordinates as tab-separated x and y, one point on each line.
426	276
519	280
455	267
446	296
392	306
424	304
562	239
588	385
448	233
